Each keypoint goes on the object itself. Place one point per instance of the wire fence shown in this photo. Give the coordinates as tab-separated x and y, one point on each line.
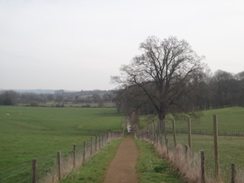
195	167
54	167
207	132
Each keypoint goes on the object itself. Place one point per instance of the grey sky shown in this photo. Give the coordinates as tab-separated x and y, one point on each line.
79	44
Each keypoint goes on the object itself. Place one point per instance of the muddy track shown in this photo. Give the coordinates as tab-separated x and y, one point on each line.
122	168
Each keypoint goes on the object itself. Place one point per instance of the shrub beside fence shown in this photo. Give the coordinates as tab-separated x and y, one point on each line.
57	166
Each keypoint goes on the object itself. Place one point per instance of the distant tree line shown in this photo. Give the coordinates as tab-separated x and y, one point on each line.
221	89
59	99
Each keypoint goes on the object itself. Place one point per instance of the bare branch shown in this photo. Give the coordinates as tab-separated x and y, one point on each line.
163	71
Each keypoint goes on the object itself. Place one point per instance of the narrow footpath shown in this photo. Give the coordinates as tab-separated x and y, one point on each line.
122	168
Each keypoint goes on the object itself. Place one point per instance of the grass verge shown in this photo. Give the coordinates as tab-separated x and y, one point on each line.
230	151
153	169
94	169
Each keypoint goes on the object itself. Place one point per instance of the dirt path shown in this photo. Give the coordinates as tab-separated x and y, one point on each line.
122	168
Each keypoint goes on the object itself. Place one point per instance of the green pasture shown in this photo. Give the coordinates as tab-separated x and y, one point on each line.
37	132
231	150
71	104
40	132
229	120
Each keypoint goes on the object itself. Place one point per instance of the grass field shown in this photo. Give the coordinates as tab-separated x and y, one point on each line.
36	132
39	132
229	119
231	148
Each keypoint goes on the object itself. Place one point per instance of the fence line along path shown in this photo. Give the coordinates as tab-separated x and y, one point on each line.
122	168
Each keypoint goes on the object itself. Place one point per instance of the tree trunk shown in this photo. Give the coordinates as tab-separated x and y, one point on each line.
134	118
161	117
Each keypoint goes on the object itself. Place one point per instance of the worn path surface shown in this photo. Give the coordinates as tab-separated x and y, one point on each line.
122	168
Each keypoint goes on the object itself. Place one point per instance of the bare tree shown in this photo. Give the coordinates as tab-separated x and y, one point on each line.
240	76
9	97
165	71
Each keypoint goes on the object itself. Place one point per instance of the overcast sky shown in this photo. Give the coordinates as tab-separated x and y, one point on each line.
79	44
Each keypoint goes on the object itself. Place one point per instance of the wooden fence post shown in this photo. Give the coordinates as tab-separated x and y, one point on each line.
84	152
154	133
91	147
167	145
106	137
165	130
216	154
99	141
59	165
174	133
157	130
34	169
202	167
147	132
95	143
189	133
187	151
233	174
74	155
102	140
